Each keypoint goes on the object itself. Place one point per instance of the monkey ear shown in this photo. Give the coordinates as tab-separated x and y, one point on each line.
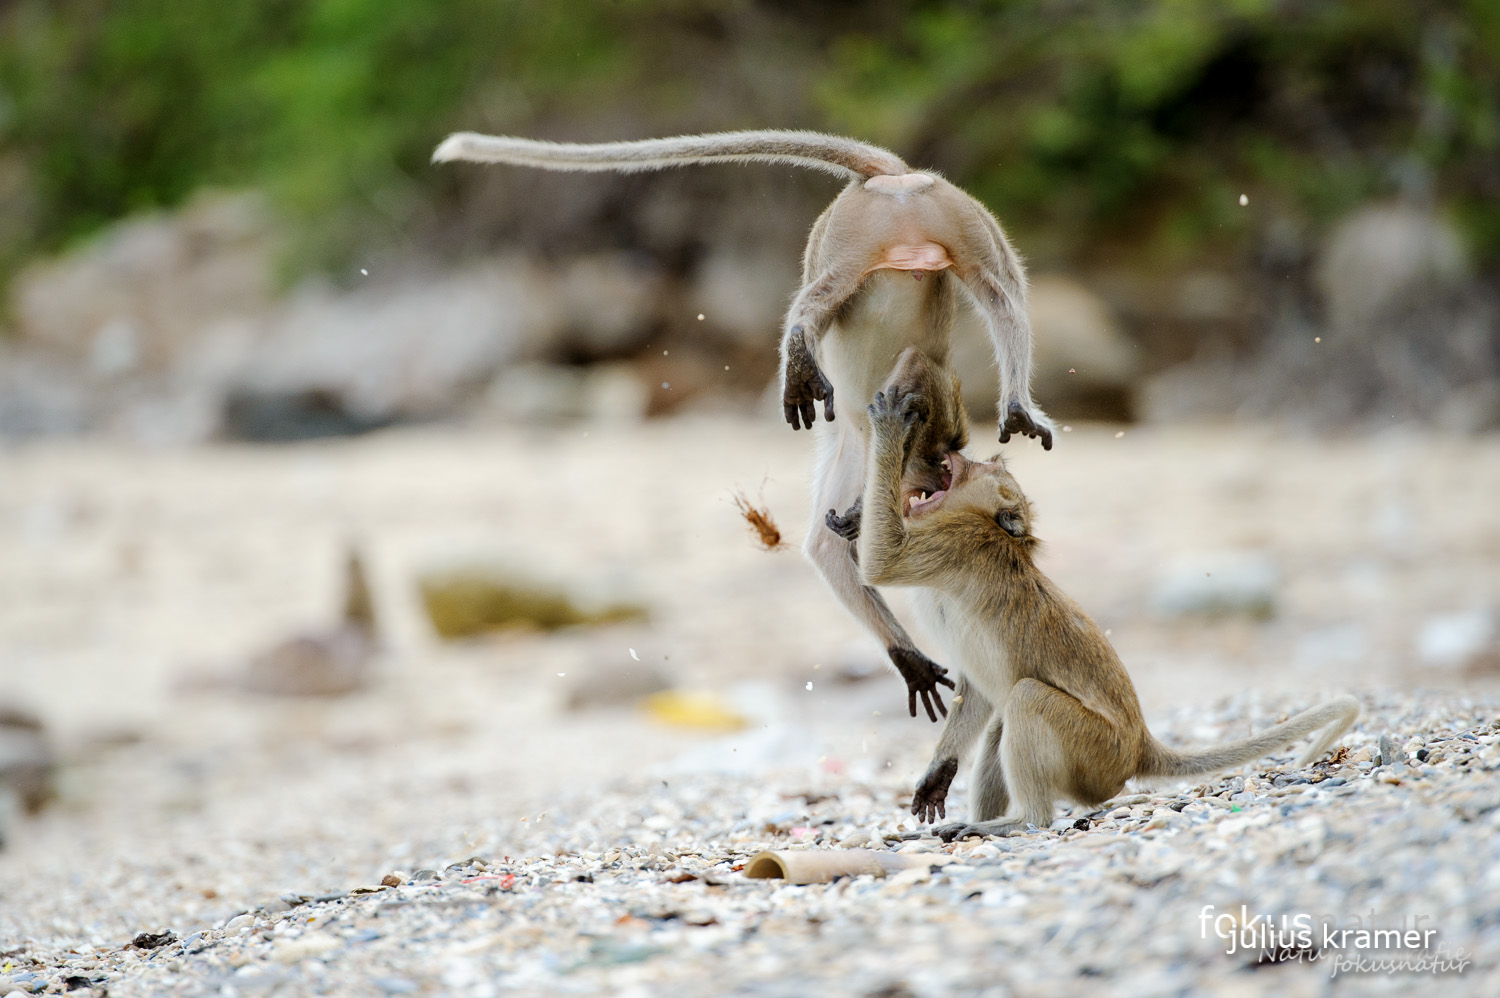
1010	521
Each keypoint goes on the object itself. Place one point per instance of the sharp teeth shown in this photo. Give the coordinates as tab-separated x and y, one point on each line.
924	496
945	465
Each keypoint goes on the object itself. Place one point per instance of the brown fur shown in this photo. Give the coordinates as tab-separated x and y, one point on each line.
886	267
1059	713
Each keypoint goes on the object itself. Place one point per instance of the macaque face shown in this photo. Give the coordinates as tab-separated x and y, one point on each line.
970	488
945	425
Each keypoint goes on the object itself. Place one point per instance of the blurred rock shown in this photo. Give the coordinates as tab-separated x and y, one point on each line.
1085	366
1471	408
598	307
1400	329
474	600
614	686
612	392
26	760
1219	584
41	395
1384	259
134	297
271	415
164	329
330	361
327	663
743	296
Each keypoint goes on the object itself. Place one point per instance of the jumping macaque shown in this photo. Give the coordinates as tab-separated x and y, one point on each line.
1056	708
882	271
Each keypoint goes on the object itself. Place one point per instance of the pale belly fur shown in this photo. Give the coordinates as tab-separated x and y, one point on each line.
860	349
970	650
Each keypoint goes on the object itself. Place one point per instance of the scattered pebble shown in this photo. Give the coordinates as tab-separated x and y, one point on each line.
643	881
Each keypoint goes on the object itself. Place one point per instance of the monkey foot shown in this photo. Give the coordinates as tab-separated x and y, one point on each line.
923	677
1019	421
803	384
964	830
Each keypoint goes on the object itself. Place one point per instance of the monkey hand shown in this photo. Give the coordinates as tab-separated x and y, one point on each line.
929	802
923	676
803	384
896	416
847	525
1026	424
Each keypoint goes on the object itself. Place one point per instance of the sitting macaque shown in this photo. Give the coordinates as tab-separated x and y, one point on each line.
1056	708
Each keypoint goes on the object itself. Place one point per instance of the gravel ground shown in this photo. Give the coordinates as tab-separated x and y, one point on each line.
530	849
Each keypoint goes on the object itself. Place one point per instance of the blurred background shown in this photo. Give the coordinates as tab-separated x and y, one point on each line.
319	463
223	223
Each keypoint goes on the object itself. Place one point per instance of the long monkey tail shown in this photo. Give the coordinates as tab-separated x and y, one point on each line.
1337	714
842	157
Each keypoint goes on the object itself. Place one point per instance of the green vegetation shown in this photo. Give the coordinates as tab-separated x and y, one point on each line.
1078	123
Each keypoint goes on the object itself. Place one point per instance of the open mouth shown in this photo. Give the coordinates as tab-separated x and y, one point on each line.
930	496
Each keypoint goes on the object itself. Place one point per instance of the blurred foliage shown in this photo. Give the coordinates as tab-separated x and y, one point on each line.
1100	120
1084	124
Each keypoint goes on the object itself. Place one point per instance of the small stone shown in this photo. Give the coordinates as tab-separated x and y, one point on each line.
151	940
393	879
305	947
243	921
427	875
1389	753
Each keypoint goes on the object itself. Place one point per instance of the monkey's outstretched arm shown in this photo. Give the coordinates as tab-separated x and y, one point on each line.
883	538
884	559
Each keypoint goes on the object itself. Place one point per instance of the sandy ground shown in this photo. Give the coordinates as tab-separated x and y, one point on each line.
122	571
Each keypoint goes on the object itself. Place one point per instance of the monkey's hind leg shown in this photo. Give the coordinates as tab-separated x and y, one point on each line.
1004	312
1051	746
802	382
812	311
988	796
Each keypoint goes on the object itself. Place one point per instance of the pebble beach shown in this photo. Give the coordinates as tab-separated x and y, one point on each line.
457	828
